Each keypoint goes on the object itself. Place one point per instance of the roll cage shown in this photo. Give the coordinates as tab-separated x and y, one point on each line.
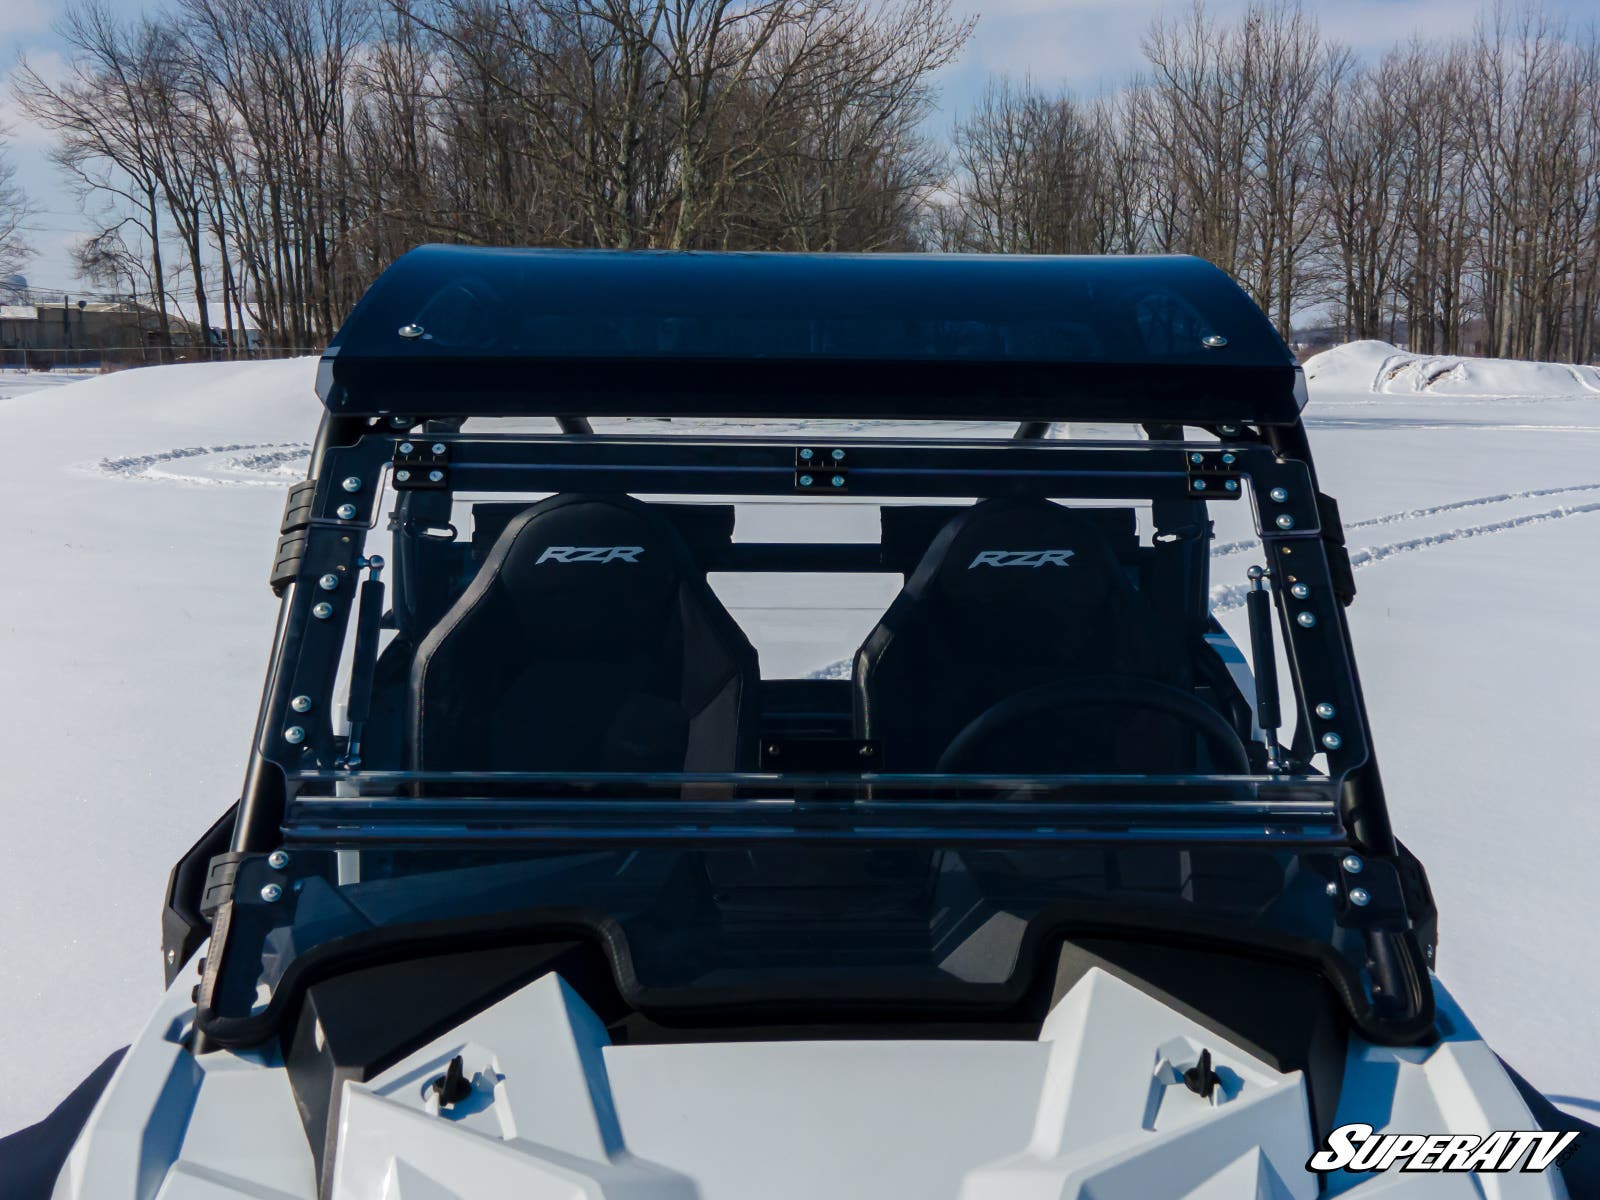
450	335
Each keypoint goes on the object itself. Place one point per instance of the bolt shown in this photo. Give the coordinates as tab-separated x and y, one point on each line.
438	447
412	330
805	481
1232	485
1352	863
1300	590
294	735
278	860
322	610
402	476
1332	889
1214	341
1332	740
352	483
1197	459
399	422
1307	619
435	476
838	481
406	448
806	454
1360	897
172	956
347	512
1199	485
1229	459
1227	430
1325	711
328	583
301	704
838	456
1279	494
1285	521
271	893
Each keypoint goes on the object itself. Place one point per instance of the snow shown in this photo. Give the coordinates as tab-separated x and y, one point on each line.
135	619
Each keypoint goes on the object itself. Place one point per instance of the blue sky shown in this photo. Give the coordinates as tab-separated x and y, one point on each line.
1088	44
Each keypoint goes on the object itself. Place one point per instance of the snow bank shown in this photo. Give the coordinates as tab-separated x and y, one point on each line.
1378	367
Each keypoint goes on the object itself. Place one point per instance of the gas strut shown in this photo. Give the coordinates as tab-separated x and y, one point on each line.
1258	604
364	662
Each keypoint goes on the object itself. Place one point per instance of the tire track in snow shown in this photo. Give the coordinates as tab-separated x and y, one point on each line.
257	464
1432	510
1230	596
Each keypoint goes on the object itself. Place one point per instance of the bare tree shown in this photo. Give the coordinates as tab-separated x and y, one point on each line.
15	213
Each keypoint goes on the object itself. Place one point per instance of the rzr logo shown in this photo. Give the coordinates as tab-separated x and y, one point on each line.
1354	1148
1021	558
595	554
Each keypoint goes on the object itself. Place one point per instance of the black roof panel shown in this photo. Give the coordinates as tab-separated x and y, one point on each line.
452	330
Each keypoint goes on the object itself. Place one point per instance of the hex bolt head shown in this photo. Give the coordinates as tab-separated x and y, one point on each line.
301	704
1197	458
1279	494
294	735
806	454
1332	740
435	476
838	456
1214	341
352	483
1285	521
438	447
1232	485
406	448
838	481
329	582
1326	711
805	481
1360	897
402	476
346	512
1352	863
272	893
278	860
322	610
1300	590
1199	485
411	330
1230	458
1306	619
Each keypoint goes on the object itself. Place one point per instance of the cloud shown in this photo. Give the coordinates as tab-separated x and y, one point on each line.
27	16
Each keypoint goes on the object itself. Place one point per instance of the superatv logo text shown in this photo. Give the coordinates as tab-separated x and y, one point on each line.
598	554
1354	1148
1021	558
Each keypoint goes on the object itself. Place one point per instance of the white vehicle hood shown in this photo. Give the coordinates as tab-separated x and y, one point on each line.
1095	1109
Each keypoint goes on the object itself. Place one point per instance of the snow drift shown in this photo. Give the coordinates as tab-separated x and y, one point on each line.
1371	366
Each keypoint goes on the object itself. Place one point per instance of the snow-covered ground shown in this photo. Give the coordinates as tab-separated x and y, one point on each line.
15	381
141	510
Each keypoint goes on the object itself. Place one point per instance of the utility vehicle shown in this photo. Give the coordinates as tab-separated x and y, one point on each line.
759	726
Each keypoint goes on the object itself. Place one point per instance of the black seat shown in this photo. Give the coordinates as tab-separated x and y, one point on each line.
1011	595
588	641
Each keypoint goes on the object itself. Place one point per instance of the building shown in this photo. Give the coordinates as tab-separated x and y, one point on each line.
69	332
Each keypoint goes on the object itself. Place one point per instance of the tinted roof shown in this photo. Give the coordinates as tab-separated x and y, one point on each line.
451	330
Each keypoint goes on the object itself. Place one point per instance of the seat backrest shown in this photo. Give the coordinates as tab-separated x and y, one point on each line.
588	641
1011	594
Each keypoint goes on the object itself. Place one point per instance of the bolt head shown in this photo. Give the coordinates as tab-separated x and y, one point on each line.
1285	521
807	454
346	512
838	456
1306	619
402	476
301	704
1197	458
1326	711
438	447
328	583
805	481
399	422
1214	341
1332	740
278	860
1352	863
1232	485
1199	485
412	330
1279	494
352	483
435	476
294	735
1332	889
322	610
1230	458
1360	897
1227	430
272	893
406	448
1300	590
838	481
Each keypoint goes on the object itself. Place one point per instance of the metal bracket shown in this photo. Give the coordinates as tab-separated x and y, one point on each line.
822	469
421	464
1214	474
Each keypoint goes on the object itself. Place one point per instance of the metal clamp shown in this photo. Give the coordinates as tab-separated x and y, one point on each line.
822	469
1214	474
421	464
